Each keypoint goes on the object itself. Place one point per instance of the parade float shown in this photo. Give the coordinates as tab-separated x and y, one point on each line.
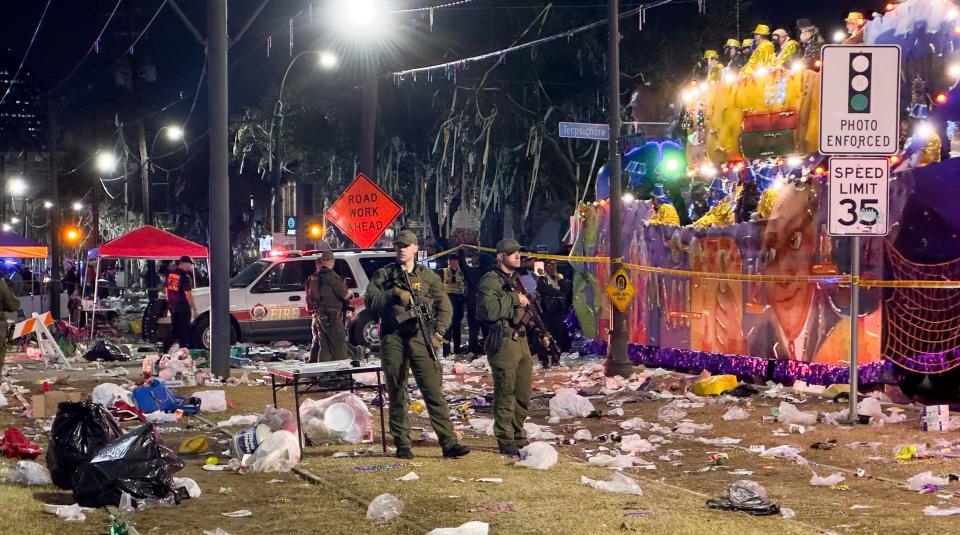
752	284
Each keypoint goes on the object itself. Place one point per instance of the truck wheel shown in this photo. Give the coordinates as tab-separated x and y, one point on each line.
365	331
151	316
200	335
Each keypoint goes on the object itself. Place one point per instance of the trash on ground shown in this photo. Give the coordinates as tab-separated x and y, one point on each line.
745	496
538	455
15	445
924	481
583	435
197	444
69	513
470	528
193	490
278	419
714	385
412	476
790	414
238	419
212	400
341	418
495	480
279	452
619	484
568	404
735	413
636	444
828	481
384	508
933	510
78	432
241	513
30	473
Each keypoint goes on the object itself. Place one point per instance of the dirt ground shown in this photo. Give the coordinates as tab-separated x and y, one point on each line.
333	497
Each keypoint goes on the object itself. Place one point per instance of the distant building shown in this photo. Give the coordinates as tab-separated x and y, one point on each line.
22	114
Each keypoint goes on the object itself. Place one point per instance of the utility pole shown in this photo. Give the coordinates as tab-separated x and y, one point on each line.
617	363
150	281
219	189
55	224
368	125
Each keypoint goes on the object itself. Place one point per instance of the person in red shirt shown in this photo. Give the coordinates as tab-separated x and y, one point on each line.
179	286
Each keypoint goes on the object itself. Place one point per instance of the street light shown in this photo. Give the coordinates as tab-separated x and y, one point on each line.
7	227
359	13
328	60
106	162
14	220
174	132
17	187
47	204
77	206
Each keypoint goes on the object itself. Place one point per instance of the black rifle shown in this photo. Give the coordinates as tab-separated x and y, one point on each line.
423	313
534	315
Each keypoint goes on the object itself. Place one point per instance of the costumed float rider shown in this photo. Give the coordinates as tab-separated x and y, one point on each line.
713	65
768	196
731	54
764	53
786	48
810	43
665	213
854	22
720	213
746	49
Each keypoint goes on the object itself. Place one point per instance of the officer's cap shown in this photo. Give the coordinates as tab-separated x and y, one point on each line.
508	246
405	238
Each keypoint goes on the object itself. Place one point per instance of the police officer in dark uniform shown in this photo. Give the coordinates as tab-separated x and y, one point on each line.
555	293
391	294
328	299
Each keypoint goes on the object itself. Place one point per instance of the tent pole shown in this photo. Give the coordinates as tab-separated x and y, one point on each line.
96	286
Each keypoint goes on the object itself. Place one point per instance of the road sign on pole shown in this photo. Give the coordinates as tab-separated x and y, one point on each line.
859	193
599	132
363	212
860	100
620	290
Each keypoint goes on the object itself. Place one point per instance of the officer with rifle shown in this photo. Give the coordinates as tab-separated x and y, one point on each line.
510	314
414	310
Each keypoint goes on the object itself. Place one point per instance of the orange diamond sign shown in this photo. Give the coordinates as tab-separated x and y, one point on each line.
363	212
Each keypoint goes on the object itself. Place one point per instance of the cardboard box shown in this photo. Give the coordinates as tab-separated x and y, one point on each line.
45	405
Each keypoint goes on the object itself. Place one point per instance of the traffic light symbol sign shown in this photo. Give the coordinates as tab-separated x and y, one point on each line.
861	66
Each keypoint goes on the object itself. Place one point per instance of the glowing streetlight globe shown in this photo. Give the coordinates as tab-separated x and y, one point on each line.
17	186
328	60
106	162
174	133
77	206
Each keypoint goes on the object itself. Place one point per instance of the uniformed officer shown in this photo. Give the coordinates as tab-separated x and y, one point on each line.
455	286
328	299
556	298
507	347
403	345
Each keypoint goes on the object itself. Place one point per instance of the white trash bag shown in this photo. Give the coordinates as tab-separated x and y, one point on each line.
340	419
212	400
828	481
538	455
278	452
384	508
619	484
568	404
636	444
30	473
107	394
790	414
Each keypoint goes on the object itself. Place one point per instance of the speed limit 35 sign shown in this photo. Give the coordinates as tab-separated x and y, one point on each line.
859	193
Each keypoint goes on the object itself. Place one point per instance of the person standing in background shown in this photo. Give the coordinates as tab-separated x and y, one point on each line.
179	288
455	286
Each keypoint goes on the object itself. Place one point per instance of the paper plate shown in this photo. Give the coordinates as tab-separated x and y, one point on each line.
338	418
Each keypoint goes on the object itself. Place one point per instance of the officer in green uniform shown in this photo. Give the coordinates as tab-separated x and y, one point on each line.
327	300
403	345
505	311
455	286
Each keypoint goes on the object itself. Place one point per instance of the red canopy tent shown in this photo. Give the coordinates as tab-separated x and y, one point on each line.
145	243
148	243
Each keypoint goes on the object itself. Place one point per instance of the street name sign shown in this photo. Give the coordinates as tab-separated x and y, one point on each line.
859	197
363	212
860	100
599	132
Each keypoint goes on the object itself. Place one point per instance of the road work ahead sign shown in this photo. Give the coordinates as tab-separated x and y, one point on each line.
860	100
363	212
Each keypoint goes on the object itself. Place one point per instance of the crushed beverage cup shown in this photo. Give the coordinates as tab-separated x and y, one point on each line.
384	508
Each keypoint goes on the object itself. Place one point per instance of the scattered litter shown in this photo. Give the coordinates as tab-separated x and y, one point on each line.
79	431
278	419
470	528
670	413
636	444
69	513
160	417
568	404
736	413
828	481
933	510
218	531
495	480
690	428
745	496
193	490
197	444
722	441
905	452
536	432
107	394
787	513
714	385
412	476
616	462
538	455
619	484
384	508
30	473
242	513
790	414
279	452
583	435
482	425
858	506
15	445
238	419
925	481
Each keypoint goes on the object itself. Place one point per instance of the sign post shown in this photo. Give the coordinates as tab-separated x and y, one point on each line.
363	212
859	116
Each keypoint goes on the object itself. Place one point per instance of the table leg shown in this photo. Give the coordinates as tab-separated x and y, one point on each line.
296	409
383	404
273	387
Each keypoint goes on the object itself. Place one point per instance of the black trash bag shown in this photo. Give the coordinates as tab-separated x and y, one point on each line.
136	463
106	351
79	431
747	497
